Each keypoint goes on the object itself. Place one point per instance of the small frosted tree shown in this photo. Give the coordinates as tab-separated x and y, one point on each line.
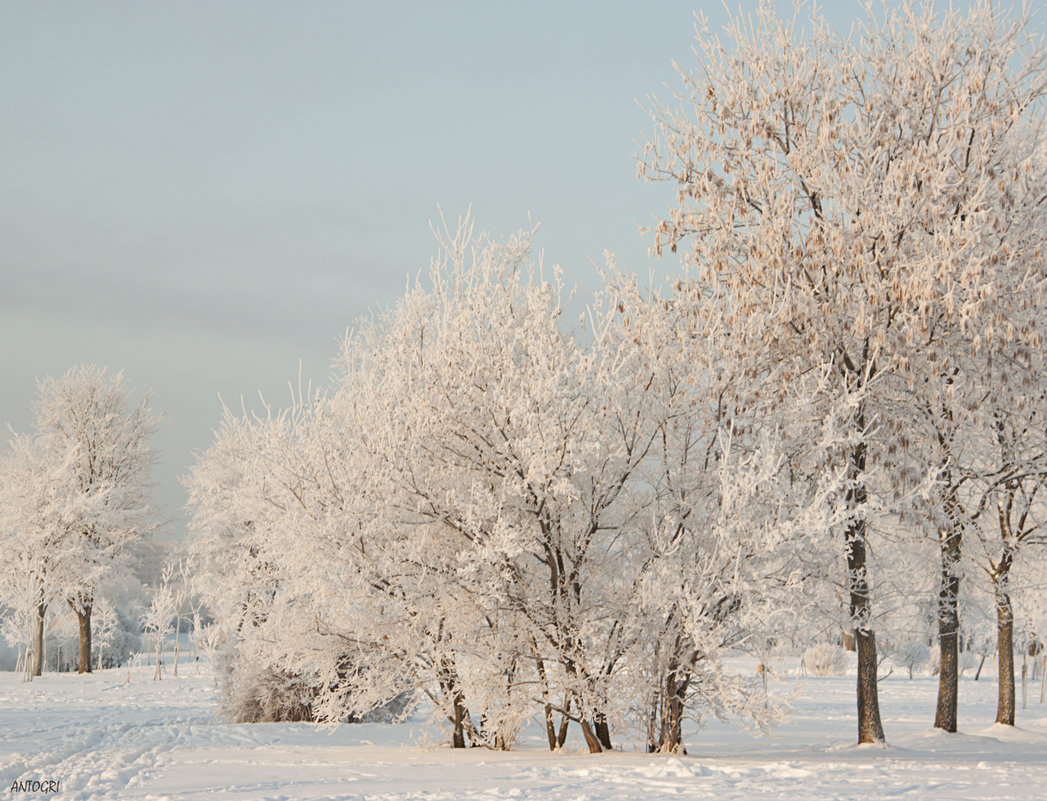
156	620
106	627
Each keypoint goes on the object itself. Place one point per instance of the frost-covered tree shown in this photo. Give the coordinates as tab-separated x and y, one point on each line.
24	600
858	201
28	485
731	521
106	628
234	546
87	494
520	448
156	620
1007	498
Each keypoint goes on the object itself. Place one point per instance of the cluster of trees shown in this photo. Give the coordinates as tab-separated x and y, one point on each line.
73	496
839	399
507	517
875	203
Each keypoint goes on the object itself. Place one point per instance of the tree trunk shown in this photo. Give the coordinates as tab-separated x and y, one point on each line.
451	688
83	664
870	729
550	727
38	646
1005	650
178	637
667	714
1043	679
591	740
602	729
948	631
458	722
672	722
565	722
1025	670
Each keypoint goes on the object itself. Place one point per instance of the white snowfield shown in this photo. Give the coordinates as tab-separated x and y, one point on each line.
100	738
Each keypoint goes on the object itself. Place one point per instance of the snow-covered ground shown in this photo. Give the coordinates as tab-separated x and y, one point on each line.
104	739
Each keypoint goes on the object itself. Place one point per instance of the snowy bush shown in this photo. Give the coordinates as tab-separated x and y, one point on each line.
825	659
912	655
265	695
251	692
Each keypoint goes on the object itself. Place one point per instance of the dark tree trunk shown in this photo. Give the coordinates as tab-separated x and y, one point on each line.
665	729
83	617
38	653
591	740
948	631
459	715
1005	650
550	727
870	729
458	732
565	722
670	736
602	729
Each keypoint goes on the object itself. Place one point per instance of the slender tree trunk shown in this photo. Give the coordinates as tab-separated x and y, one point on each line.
38	646
83	617
592	739
458	722
948	630
1025	670
665	730
451	688
652	722
178	637
1005	650
670	736
602	729
565	722
870	729
550	727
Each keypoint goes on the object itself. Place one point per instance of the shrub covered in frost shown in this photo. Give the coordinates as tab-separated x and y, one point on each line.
824	659
253	690
912	655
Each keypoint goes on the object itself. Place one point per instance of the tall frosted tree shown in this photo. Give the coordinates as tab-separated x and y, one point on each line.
863	202
90	496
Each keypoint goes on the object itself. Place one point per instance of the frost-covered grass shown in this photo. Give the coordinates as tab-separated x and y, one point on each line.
105	739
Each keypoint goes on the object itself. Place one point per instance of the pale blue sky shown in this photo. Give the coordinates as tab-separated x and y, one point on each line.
202	193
